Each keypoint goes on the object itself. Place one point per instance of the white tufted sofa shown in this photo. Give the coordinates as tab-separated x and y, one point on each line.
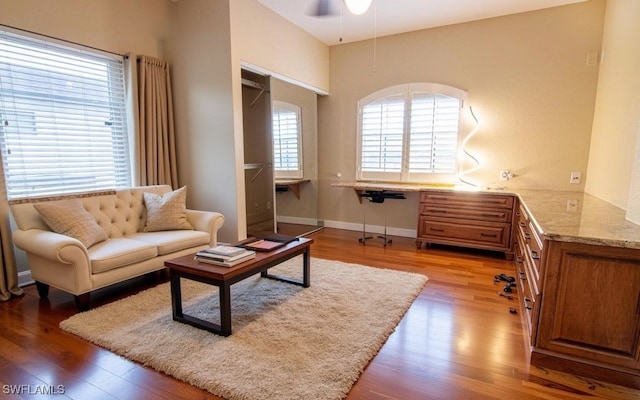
65	263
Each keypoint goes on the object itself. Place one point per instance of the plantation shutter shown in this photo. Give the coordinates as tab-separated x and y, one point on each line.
63	119
434	133
382	135
286	140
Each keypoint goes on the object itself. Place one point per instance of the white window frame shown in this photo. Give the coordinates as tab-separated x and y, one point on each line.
282	168
75	138
405	93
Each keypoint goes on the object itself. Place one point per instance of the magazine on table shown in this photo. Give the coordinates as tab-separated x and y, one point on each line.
268	243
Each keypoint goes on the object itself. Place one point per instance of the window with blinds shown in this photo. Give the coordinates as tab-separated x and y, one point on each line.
410	133
63	118
287	143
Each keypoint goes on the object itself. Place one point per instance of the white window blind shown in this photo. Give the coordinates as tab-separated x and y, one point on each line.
287	143
410	133
63	119
382	135
434	133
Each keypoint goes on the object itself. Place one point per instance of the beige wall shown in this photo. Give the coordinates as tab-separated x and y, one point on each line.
617	111
264	39
528	83
212	41
119	26
200	54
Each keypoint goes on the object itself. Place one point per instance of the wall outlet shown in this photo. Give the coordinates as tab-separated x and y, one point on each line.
572	205
575	178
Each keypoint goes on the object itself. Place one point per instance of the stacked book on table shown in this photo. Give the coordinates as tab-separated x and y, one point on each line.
225	255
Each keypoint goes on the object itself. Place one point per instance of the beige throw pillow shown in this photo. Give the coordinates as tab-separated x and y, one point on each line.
68	217
167	212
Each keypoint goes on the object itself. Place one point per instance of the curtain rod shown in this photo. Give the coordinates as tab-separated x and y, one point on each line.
64	40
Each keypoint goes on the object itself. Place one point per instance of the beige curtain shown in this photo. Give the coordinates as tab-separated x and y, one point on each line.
9	271
156	137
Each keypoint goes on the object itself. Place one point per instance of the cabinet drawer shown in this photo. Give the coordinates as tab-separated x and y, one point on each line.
489	234
535	249
498	215
470	199
528	306
522	218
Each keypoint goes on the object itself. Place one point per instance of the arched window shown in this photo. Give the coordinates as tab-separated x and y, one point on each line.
410	133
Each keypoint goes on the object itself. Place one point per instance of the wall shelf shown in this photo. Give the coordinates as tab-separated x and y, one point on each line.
292	185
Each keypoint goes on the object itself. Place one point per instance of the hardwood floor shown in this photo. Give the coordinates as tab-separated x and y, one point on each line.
457	341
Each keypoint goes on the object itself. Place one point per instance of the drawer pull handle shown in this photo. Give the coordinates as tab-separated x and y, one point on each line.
436	230
523	278
518	260
523	224
535	255
488	234
526	299
528	308
527	236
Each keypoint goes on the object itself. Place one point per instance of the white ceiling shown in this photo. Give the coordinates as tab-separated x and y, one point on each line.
387	17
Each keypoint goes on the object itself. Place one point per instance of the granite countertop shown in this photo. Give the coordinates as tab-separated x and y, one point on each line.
579	217
560	216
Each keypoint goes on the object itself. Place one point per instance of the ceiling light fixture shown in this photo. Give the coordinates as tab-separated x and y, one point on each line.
358	7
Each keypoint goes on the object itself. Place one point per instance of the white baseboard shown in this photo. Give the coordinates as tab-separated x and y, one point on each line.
296	220
24	278
351	226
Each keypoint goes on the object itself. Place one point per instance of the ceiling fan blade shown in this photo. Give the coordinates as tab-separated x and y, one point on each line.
322	8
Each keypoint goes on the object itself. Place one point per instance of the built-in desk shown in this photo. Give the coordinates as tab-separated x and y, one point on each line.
578	263
455	215
577	260
362	187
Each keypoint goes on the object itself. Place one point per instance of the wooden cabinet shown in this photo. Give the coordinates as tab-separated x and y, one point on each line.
529	251
466	219
581	304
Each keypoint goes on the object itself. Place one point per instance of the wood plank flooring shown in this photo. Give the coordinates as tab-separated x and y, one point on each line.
457	341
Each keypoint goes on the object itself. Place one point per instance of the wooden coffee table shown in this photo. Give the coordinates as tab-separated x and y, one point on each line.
223	277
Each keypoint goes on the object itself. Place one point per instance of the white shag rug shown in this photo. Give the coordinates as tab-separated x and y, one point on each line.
288	342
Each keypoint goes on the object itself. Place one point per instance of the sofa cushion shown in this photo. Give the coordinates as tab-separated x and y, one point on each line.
167	212
68	217
172	241
118	252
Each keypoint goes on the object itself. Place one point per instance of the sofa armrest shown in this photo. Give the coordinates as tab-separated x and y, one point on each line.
50	245
206	221
56	259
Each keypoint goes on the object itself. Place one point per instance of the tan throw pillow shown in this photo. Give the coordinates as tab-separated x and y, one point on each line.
167	212
68	217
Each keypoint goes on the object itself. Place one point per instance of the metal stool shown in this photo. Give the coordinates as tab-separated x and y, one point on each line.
377	196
